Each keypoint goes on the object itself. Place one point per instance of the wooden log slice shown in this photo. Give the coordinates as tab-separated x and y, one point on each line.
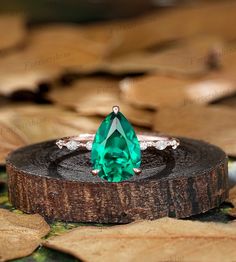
58	184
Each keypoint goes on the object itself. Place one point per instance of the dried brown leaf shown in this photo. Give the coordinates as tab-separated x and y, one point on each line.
20	234
65	46
157	28
155	91
219	84
49	51
228	58
15	26
232	196
232	200
158	91
184	57
11	138
211	89
161	240
24	70
87	92
22	125
96	96
214	124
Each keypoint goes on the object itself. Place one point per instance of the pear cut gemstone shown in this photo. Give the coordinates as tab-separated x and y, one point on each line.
115	150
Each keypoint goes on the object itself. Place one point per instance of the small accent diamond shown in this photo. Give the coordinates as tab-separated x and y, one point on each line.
72	145
174	144
143	145
89	145
160	145
59	143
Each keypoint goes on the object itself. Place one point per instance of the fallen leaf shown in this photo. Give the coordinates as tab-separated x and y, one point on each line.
228	56
161	240
232	200
23	70
87	92
65	47
50	50
155	91
96	96
187	57
232	196
22	125
159	91
218	84
20	235
214	124
16	32
10	140
211	89
141	33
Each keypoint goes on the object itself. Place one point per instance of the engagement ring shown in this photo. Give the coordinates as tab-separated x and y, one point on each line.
115	148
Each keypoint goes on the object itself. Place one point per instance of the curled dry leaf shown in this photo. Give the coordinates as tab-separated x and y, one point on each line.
214	124
89	93
22	125
49	51
219	84
24	71
151	30
97	96
22	68
232	199
11	138
158	91
20	234
232	196
228	58
15	26
161	240
65	47
211	89
191	57
155	91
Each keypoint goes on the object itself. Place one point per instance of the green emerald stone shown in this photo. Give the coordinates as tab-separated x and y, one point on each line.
115	150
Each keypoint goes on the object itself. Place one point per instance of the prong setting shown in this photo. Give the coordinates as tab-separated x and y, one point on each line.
95	172
116	109
137	171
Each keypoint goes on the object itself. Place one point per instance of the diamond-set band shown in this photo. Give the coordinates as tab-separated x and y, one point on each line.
146	141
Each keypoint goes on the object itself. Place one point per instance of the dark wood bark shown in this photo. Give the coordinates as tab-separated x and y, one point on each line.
58	185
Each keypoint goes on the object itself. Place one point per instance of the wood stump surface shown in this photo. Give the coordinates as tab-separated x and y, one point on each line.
58	184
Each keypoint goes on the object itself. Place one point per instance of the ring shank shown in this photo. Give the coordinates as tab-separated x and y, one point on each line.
85	140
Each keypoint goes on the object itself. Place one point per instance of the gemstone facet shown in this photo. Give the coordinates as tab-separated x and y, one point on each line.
116	150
